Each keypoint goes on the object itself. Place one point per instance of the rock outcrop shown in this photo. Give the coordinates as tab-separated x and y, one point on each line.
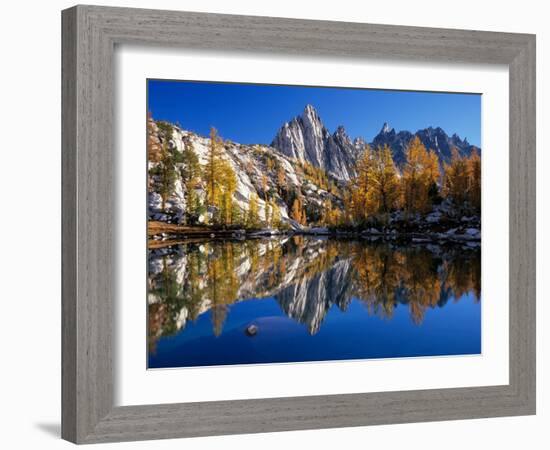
259	170
305	138
433	139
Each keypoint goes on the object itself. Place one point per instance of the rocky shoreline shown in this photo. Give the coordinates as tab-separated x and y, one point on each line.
161	235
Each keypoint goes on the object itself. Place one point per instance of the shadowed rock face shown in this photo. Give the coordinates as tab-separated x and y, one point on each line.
306	276
398	142
433	139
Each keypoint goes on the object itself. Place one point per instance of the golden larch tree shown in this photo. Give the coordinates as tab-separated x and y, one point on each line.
418	174
384	189
281	177
360	187
253	219
297	212
474	175
264	185
456	179
228	185
376	189
212	172
275	214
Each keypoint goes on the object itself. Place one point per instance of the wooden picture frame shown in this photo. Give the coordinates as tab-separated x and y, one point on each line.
90	34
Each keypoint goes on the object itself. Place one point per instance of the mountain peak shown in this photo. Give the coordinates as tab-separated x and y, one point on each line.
341	136
310	111
305	138
438	130
386	128
310	118
340	130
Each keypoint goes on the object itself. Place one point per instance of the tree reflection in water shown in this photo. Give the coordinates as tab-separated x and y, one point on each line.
306	276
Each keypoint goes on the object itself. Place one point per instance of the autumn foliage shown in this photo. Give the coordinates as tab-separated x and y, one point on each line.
379	188
420	175
221	181
375	191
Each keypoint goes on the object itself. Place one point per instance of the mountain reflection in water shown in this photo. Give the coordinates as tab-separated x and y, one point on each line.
213	290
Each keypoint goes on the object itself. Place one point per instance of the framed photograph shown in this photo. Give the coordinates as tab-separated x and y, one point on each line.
278	224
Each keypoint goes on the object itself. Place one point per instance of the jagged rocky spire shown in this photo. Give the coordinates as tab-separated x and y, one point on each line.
433	139
386	128
307	139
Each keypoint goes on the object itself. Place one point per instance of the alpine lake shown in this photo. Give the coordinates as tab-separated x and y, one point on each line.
299	298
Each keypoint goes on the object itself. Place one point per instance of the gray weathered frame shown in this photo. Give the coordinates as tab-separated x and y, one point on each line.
90	34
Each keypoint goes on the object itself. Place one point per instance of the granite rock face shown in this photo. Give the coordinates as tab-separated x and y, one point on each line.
305	138
258	170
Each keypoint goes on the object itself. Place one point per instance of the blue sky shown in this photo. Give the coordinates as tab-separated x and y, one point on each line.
250	113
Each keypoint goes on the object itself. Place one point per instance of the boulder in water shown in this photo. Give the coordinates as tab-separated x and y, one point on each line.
251	330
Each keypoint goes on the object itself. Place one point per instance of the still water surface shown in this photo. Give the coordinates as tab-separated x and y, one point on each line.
310	299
